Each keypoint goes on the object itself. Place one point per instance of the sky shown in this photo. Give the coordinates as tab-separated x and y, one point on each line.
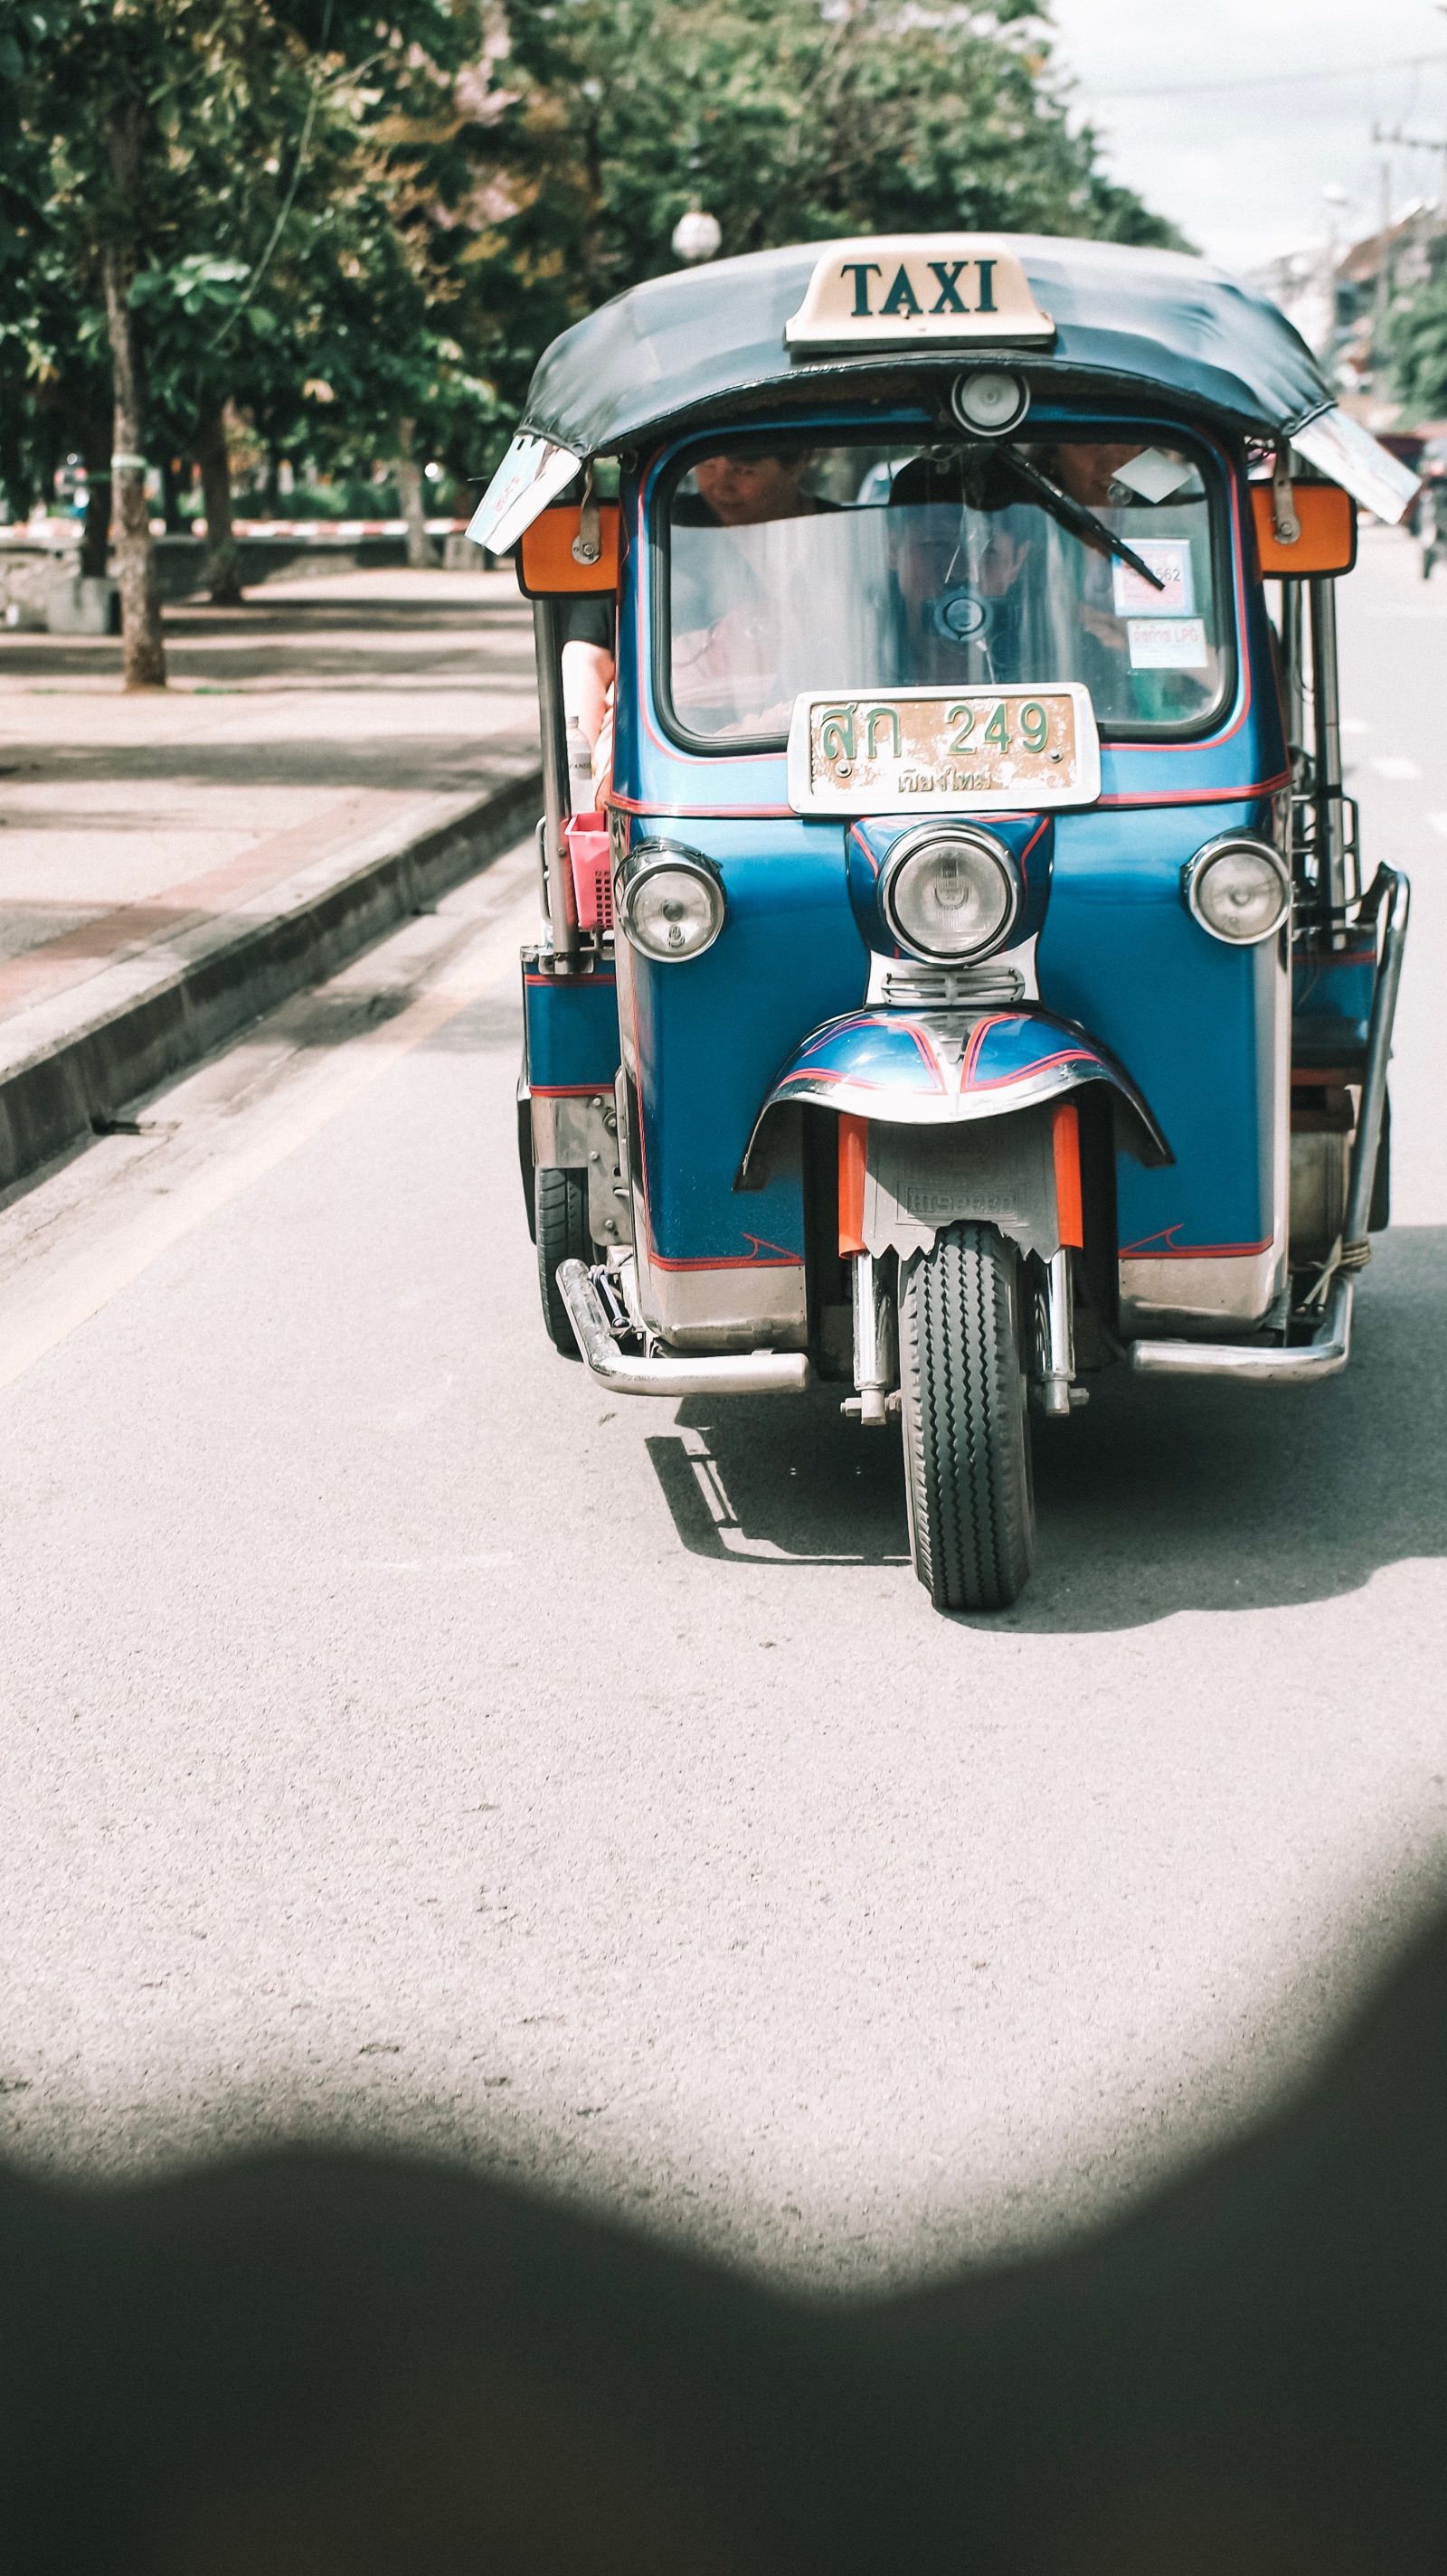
1232	116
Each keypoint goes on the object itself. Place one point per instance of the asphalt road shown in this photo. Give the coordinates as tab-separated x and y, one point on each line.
400	1737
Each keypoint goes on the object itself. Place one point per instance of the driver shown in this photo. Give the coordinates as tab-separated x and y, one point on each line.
958	549
738	487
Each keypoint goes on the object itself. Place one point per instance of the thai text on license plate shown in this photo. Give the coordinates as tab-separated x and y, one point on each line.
937	750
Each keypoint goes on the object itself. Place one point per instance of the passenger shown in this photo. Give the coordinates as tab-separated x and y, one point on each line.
738	607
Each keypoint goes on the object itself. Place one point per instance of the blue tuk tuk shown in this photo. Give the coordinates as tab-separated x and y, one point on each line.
956	973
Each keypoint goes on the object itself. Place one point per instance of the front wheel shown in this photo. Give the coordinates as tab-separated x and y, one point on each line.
966	1433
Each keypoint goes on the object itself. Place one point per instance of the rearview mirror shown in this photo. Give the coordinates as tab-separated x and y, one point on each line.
1327	518
556	560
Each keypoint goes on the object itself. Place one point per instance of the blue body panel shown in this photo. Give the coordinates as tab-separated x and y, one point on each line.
1190	1019
711	1036
571	1025
1189	1016
1332	1004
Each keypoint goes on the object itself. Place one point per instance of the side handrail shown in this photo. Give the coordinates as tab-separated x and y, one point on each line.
1391	886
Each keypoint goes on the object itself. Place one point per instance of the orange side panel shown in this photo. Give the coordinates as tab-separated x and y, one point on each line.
1067	1174
853	1138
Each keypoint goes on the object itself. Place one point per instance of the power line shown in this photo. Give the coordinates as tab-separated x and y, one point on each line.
1276	80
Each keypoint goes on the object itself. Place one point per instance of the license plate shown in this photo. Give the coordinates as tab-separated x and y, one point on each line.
944	751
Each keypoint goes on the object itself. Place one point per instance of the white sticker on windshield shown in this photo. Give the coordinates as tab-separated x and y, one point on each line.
1167	643
1153	474
1170	560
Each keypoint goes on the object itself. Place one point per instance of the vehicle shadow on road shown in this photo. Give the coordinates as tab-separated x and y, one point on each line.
784	1480
1162	1496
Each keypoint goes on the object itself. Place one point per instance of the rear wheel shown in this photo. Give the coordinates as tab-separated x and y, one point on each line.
966	1435
560	1220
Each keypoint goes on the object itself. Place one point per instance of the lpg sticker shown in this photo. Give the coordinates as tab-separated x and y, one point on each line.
1167	643
1170	560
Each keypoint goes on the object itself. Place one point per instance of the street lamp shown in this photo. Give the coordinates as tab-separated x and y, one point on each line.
696	236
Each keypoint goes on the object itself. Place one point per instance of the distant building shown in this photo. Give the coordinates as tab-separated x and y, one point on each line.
1341	301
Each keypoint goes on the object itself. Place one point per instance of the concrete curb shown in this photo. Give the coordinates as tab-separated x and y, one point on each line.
69	1064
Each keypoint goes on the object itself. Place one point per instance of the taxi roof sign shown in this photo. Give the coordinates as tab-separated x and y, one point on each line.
898	290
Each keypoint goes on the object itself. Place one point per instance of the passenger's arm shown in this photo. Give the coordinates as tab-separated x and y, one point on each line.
587	678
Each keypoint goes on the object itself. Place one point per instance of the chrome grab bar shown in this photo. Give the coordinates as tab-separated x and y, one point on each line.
1388	882
625	1373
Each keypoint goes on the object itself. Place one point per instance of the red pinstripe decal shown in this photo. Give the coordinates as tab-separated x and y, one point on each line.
1042	1064
1199	795
928	1054
1160	1248
734	1260
787	814
978	1035
858	838
699	813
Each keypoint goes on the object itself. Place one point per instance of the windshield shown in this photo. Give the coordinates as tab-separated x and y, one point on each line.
860	568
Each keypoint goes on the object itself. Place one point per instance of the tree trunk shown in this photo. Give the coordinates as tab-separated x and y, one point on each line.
421	553
143	655
222	573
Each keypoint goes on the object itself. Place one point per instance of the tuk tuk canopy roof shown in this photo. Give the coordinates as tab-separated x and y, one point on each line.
711	342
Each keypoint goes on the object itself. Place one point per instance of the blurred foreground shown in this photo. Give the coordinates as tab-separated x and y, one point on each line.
335	2366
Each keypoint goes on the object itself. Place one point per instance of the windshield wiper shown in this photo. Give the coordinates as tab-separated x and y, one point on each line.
1082	522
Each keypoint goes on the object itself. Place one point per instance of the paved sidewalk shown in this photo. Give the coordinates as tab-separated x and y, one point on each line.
308	741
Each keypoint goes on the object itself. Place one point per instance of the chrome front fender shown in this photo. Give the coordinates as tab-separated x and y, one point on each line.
942	1068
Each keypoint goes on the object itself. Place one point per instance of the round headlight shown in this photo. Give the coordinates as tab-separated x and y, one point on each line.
950	894
990	400
670	906
1239	890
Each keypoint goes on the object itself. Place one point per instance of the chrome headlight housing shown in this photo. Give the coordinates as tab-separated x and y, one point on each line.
1238	888
669	901
990	400
950	893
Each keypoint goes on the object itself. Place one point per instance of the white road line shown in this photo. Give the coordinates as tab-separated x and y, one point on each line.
46	1302
1393	767
1439	824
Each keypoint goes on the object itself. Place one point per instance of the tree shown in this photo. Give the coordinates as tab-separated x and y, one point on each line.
150	130
791	121
1419	349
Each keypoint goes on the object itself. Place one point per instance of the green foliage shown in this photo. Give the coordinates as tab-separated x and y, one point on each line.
346	221
790	121
280	177
1419	350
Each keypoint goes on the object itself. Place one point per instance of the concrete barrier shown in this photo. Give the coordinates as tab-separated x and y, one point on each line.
70	1065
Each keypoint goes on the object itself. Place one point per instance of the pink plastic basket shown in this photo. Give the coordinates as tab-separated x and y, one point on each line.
588	853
